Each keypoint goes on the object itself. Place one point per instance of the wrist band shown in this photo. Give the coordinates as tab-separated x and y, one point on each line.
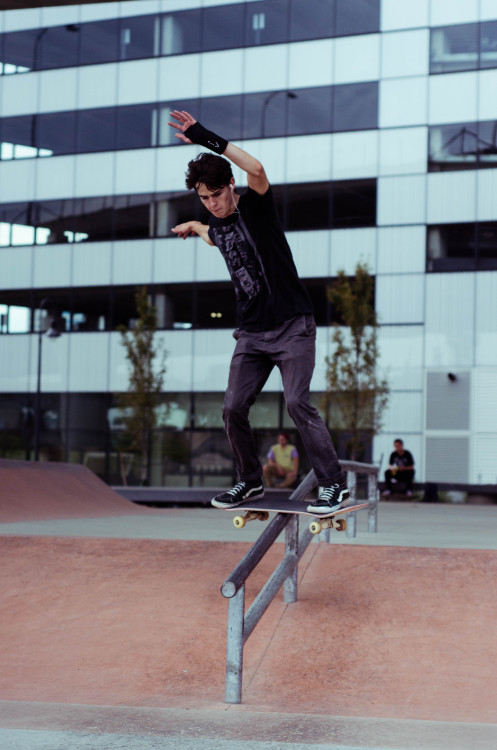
198	134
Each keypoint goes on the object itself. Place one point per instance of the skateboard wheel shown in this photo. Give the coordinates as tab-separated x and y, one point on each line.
263	516
239	522
315	527
341	524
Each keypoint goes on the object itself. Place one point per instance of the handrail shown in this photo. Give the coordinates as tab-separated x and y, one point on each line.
240	624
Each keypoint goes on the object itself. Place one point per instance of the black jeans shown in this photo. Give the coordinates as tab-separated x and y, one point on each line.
291	347
406	477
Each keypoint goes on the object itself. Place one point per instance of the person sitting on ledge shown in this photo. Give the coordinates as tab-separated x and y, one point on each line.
401	469
283	462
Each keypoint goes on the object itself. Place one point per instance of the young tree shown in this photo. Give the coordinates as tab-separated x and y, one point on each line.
354	386
146	378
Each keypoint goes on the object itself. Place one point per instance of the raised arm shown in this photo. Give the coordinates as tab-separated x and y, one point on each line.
191	131
192	228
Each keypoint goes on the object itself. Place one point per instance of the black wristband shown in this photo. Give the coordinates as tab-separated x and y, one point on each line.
198	134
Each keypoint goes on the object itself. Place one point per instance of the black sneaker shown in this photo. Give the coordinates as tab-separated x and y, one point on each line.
330	499
241	493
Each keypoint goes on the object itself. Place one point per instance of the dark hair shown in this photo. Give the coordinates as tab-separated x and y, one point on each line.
212	171
285	435
399	440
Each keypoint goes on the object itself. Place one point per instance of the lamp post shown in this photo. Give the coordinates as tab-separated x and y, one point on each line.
269	97
52	333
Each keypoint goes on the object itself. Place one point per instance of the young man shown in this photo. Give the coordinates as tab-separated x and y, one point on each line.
401	468
275	315
282	462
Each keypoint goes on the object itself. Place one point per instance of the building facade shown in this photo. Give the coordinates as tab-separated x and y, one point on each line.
377	125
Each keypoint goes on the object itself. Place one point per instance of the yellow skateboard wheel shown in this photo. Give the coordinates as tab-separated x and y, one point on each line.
239	522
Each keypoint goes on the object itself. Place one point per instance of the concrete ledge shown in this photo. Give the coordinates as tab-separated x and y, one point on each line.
237	724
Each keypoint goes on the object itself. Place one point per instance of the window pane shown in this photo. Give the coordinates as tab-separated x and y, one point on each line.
356	106
311	19
208	410
488	44
307	206
310	111
487	144
96	130
135	127
357	17
211	461
99	42
17	138
133	215
138	37
17	224
90	309
487	245
354	203
56	133
93	219
453	147
223	27
451	247
55	222
266	22
181	32
223	115
58	47
21	50
215	305
265	114
454	48
166	133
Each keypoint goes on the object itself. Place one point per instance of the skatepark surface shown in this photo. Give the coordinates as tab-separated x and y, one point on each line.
113	628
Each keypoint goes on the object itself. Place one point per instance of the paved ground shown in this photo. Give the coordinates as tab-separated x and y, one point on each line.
113	634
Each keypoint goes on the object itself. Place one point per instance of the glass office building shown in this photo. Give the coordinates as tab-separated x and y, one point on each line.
377	125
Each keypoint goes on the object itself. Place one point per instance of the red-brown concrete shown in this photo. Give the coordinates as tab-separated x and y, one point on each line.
32	491
378	631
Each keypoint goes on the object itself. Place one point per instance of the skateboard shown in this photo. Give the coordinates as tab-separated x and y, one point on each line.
259	510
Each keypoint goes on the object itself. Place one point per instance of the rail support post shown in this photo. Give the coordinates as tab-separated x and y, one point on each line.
373	503
292	545
352	519
234	647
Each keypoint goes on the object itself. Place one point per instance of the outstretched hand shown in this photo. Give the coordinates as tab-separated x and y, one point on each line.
185	120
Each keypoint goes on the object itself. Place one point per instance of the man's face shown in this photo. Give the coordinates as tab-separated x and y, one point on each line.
219	202
399	447
282	440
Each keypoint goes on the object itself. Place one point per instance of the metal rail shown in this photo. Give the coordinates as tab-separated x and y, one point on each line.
241	624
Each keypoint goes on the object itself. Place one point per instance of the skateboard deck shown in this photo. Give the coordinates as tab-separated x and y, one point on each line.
260	509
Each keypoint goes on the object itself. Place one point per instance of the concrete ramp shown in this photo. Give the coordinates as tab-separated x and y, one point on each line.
39	491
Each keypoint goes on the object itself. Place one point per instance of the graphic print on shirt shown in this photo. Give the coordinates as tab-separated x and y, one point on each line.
241	256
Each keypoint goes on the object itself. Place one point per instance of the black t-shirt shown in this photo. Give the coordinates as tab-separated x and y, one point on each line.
405	459
252	242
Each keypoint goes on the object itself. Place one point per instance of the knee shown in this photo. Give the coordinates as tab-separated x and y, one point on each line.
234	412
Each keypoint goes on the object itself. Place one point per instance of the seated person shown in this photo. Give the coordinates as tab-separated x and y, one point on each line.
283	462
401	469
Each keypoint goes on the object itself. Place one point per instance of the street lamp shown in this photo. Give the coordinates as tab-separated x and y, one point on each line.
269	97
52	333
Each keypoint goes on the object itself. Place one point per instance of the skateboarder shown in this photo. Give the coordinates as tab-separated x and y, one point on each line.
275	316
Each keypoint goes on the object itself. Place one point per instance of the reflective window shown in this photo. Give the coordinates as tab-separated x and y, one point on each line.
17	134
133	217
139	37
265	114
56	47
311	111
96	130
17	224
224	115
488	44
487	246
20	50
55	133
266	22
356	106
223	27
311	19
467	145
357	17
306	209
181	32
451	247
454	48
136	127
354	203
99	42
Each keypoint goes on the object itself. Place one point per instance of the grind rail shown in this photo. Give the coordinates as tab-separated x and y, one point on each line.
241	624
